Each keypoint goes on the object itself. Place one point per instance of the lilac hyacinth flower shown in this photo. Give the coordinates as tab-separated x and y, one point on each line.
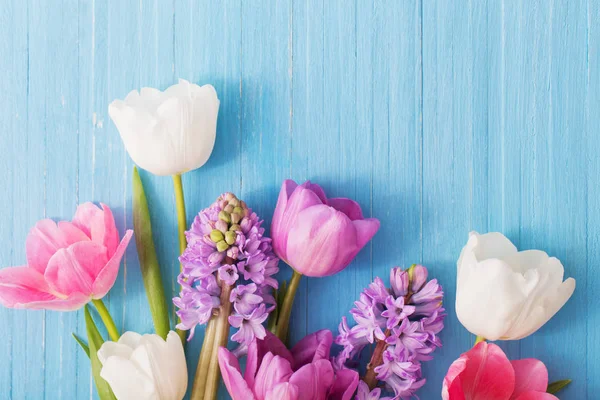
363	393
227	248
404	322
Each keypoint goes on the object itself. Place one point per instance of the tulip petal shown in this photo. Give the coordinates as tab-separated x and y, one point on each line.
114	349
300	199
283	391
232	377
488	374
315	379
22	285
175	365
313	347
316	189
74	269
347	206
127	381
452	387
277	228
536	396
346	382
273	371
98	224
321	242
365	230
45	239
107	276
257	350
72	302
530	375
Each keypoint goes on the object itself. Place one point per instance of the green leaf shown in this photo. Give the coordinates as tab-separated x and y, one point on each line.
95	342
82	344
148	260
557	386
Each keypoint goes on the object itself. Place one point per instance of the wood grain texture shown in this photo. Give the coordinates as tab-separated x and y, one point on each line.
437	117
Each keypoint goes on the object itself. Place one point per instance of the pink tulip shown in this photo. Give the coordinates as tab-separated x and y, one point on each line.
68	263
485	373
315	235
275	373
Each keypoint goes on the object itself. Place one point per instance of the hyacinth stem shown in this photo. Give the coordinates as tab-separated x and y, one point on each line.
370	377
182	226
283	321
203	362
479	339
221	336
113	332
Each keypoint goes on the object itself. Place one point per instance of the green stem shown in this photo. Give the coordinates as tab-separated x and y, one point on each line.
203	362
286	307
182	226
479	339
113	332
221	322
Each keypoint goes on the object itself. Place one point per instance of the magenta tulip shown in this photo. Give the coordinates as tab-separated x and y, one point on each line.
315	235
485	373
68	263
275	373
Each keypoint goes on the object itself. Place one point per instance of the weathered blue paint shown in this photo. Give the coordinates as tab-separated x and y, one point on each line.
438	117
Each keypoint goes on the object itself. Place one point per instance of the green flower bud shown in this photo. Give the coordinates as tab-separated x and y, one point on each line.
236	218
230	237
228	208
222	246
216	235
238	210
234	202
234	228
224	216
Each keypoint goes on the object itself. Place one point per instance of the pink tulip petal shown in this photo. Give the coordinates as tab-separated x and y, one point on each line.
283	391
452	387
530	375
73	233
98	224
284	220
257	350
71	303
22	285
316	189
74	269
313	347
488	374
536	396
315	379
346	382
107	276
347	206
45	239
232	377
322	242
365	230
273	371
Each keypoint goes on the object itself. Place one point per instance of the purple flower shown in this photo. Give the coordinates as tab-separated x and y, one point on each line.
404	320
227	246
363	393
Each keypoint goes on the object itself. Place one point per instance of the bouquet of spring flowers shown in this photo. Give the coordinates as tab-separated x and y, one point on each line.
228	283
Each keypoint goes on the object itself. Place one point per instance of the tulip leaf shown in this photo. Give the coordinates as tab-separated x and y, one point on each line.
95	341
148	261
81	343
557	386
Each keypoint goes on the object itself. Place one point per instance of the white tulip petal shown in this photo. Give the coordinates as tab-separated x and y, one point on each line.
126	381
112	349
176	365
131	339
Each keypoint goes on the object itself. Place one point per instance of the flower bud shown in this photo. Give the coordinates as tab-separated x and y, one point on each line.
234	228
234	202
400	281
238	210
228	208
418	277
224	216
216	235
233	252
222	246
230	237
236	218
221	225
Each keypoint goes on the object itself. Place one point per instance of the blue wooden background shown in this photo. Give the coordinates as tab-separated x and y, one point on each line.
438	117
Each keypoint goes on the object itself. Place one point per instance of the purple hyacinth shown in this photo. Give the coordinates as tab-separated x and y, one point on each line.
404	321
226	246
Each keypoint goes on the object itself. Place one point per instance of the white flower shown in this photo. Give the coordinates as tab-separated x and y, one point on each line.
506	294
145	367
168	132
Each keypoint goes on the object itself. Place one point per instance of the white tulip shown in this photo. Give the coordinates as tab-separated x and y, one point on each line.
506	294
145	367
168	132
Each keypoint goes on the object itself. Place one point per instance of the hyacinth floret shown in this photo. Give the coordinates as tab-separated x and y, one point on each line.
404	321
227	246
